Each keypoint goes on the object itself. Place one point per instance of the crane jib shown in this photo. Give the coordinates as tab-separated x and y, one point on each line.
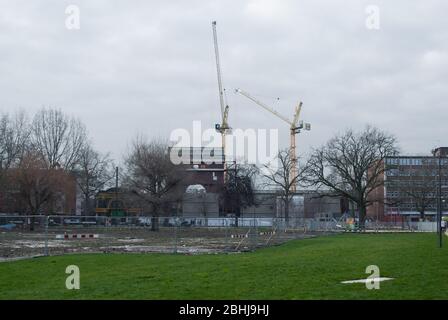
218	70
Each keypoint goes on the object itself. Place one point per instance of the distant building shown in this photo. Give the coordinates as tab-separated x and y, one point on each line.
304	204
204	166
319	204
200	205
117	202
410	187
202	185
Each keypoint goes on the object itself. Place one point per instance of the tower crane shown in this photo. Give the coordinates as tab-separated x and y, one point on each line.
224	127
295	127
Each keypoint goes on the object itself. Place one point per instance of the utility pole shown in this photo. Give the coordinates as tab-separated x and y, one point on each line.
439	200
116	190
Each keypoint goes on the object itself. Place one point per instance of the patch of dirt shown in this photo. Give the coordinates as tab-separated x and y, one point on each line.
187	240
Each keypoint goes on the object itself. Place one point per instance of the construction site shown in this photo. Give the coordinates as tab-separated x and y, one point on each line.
216	203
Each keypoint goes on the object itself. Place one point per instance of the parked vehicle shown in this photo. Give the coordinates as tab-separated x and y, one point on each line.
144	221
72	221
52	223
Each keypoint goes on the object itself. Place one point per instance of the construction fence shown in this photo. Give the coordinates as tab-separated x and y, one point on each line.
27	236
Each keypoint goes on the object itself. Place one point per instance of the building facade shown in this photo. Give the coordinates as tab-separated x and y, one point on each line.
203	165
411	188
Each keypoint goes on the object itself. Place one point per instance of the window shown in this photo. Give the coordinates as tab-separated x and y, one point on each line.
392	172
392	194
392	161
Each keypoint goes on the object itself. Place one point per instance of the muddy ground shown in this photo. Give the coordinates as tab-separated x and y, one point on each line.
188	240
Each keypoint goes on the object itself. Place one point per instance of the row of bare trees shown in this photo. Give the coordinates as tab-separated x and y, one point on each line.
39	155
350	165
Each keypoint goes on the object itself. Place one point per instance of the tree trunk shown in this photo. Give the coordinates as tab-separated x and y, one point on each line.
33	212
32	223
204	211
362	216
154	223
237	214
86	205
286	210
422	215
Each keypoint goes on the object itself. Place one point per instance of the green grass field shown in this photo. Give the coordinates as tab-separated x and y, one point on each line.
302	269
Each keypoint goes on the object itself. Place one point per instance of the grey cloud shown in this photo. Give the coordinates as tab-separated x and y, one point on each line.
148	66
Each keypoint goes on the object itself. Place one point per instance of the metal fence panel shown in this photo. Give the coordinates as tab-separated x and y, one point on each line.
26	236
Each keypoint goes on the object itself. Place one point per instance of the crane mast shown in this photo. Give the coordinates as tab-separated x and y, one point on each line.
222	128
294	126
218	69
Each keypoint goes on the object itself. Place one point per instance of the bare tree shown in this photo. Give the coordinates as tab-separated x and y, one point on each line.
37	184
14	138
352	165
238	191
58	137
93	171
422	193
153	177
279	177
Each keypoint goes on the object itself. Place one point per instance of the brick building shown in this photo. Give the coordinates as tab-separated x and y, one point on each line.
204	166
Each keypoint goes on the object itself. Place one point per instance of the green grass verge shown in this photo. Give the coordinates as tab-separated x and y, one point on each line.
302	269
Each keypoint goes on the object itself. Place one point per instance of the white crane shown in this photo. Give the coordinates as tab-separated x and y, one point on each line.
224	127
295	127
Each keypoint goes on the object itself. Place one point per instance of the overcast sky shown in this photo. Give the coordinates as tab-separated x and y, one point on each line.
148	66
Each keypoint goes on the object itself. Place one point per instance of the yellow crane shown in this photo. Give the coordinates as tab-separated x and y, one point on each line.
295	127
224	127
